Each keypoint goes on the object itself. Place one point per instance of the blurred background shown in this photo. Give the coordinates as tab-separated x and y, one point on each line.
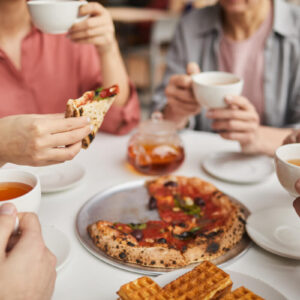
145	29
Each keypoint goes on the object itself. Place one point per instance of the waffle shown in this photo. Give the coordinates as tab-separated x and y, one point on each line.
204	282
241	294
143	288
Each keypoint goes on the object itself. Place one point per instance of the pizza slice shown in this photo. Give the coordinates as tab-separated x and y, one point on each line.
92	104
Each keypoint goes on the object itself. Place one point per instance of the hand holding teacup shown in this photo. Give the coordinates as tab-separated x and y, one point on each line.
181	102
98	29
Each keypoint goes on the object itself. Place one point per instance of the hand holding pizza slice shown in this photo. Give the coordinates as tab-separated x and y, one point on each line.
95	105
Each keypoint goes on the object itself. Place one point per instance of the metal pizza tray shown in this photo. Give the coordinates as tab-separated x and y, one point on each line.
127	203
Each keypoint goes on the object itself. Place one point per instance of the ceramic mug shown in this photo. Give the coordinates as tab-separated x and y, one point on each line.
211	88
56	16
29	202
288	173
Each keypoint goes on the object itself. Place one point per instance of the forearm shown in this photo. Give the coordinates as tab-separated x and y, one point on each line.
272	138
114	72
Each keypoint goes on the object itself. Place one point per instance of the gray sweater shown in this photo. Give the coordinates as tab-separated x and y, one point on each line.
197	40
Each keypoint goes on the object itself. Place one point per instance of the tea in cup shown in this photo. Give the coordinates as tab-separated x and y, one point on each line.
21	188
56	16
211	88
287	163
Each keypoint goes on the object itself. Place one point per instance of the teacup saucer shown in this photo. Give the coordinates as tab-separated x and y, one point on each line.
59	244
237	167
277	230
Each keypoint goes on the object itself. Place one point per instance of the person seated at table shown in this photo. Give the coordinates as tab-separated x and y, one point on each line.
27	268
40	72
41	139
259	41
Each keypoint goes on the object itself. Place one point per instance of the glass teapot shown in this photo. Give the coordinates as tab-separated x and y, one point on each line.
156	148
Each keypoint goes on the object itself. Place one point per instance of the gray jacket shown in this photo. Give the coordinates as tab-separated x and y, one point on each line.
197	40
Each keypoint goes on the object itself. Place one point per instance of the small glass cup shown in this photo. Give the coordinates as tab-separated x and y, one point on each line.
156	149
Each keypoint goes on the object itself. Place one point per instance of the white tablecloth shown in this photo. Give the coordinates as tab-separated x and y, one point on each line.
87	278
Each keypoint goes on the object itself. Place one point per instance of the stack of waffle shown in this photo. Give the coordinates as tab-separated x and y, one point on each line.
205	282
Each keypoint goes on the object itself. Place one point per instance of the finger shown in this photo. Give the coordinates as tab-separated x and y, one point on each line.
184	95
98	40
92	8
66	124
296	205
224	114
64	154
8	213
236	136
69	137
239	101
192	68
234	125
91	22
297	186
92	32
181	81
30	231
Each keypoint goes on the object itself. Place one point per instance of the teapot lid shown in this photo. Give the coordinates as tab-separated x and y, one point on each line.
156	125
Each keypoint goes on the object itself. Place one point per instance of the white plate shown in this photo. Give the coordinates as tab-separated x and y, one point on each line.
59	177
59	244
276	229
238	167
255	285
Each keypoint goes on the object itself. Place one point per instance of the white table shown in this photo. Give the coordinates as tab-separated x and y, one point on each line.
88	278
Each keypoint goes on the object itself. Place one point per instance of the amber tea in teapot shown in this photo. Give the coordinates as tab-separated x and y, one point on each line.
156	148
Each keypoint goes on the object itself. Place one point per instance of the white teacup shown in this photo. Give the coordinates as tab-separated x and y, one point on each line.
56	16
210	88
29	202
288	173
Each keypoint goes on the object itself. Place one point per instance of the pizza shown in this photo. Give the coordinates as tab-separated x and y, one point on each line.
197	222
92	104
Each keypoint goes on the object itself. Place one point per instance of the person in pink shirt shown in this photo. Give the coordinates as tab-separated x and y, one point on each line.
40	72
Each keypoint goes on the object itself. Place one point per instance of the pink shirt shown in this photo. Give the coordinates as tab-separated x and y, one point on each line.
53	70
246	59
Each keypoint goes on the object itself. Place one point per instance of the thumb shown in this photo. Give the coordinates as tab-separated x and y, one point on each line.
192	68
8	213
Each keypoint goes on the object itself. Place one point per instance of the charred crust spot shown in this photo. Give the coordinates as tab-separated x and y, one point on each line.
166	265
130	244
117	247
174	262
122	255
138	261
105	248
242	220
184	248
162	241
183	225
162	262
97	237
152	262
171	184
81	111
91	137
213	247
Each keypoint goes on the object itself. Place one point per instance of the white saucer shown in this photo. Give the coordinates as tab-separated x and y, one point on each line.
238	167
59	177
59	244
255	285
277	230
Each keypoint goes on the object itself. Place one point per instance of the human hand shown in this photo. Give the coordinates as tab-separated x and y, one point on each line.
294	137
239	122
27	271
181	100
98	29
41	139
